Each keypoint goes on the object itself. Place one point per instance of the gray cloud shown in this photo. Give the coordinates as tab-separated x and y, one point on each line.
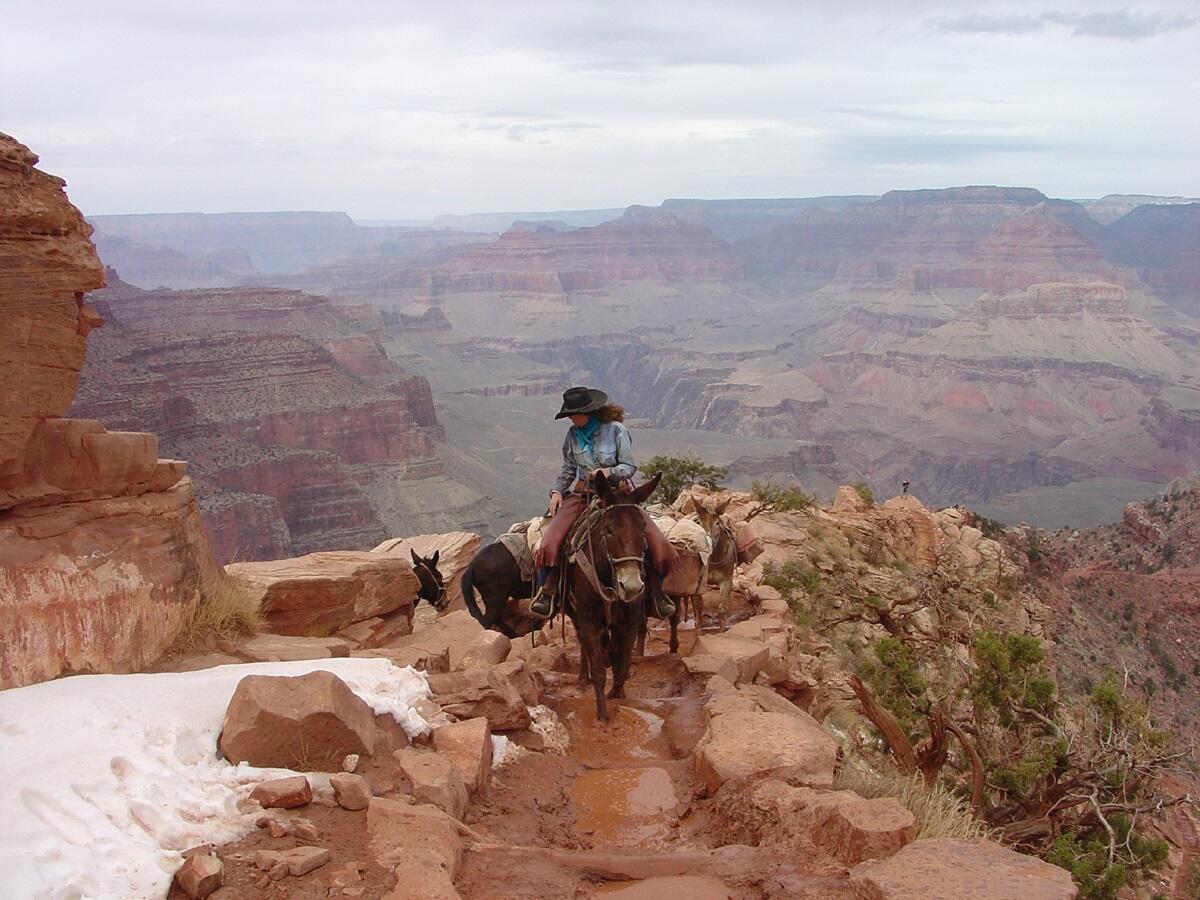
1118	24
406	110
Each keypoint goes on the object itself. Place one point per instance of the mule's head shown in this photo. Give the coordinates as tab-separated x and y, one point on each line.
433	586
622	537
708	514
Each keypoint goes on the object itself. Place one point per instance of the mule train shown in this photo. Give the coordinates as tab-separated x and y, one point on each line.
605	587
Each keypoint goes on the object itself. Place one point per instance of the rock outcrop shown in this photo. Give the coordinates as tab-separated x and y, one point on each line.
102	553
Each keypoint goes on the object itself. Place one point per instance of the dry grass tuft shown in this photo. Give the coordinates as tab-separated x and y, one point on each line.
938	812
226	612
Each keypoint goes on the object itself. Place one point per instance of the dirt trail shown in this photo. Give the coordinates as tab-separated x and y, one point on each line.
619	815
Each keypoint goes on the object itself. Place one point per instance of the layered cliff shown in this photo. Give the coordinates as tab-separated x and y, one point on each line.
302	432
102	554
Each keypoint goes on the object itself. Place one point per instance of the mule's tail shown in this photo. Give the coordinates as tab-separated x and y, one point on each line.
468	591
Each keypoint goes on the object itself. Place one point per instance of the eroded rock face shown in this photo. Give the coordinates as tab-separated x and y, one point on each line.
948	869
309	722
321	593
47	262
102	554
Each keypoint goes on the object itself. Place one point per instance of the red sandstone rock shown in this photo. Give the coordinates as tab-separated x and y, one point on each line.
432	778
436	660
742	743
481	692
48	264
295	862
420	844
351	791
200	875
949	869
308	721
322	592
800	820
468	746
749	656
283	793
489	648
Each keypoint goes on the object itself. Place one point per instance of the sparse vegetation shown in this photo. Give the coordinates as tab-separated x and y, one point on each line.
864	491
680	472
796	582
789	498
939	812
226	612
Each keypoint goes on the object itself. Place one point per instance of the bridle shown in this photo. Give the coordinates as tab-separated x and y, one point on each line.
586	565
433	576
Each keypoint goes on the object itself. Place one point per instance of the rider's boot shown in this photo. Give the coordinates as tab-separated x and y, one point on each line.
664	606
545	602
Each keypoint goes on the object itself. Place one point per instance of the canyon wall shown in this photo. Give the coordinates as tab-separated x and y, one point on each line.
302	433
102	554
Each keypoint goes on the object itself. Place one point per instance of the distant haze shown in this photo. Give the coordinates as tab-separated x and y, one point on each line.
405	111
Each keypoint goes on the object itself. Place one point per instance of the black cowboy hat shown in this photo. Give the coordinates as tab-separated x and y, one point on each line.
578	401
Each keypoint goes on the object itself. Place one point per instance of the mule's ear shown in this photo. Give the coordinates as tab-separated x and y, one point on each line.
416	559
643	492
433	559
722	506
602	488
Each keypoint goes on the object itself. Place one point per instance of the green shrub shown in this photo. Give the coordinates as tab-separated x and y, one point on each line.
781	499
864	491
680	472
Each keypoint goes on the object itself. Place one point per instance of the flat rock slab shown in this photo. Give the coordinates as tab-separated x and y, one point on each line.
321	593
420	844
749	656
288	648
481	692
745	743
949	869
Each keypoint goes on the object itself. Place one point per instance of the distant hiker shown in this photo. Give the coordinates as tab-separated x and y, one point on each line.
904	487
597	445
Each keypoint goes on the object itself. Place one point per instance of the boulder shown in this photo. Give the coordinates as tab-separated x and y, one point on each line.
450	636
800	820
455	551
749	656
379	631
949	869
468	745
489	648
705	667
283	793
432	778
350	791
200	875
318	594
481	692
420	844
744	743
528	684
307	721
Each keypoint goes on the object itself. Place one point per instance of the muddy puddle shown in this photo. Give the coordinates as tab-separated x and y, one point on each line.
633	806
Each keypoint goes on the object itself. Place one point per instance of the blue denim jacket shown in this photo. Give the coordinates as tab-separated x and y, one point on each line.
611	449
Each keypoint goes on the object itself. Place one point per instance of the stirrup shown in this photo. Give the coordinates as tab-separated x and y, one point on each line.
664	606
547	600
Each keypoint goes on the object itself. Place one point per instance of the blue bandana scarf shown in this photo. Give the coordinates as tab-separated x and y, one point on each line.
587	434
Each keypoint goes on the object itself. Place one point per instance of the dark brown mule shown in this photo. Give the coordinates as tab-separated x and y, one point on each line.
606	583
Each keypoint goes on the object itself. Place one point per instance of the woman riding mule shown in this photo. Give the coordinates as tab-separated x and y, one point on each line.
597	445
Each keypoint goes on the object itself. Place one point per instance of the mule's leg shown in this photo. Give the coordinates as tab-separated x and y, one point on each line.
621	638
698	611
726	593
592	652
674	646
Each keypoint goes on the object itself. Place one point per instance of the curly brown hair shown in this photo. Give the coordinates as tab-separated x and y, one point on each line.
610	412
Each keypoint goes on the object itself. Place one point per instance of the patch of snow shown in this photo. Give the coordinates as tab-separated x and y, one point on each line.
107	778
503	750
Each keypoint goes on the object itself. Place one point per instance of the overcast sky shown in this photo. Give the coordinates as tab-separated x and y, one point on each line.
391	109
